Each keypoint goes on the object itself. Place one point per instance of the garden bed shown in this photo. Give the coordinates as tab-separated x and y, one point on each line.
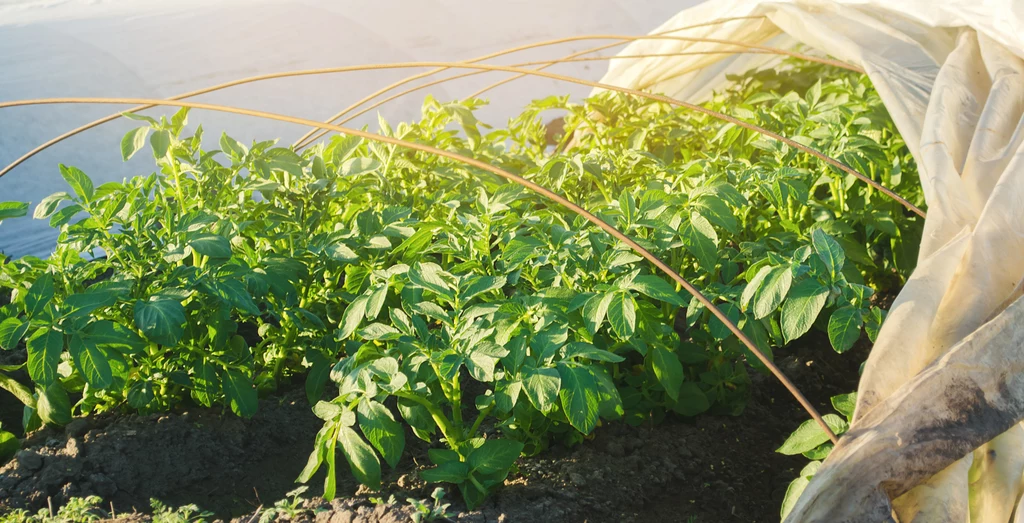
258	304
709	468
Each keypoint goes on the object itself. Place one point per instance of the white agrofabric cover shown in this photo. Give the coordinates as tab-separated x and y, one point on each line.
936	435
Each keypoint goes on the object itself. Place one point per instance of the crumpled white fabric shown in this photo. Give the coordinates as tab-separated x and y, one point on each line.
951	73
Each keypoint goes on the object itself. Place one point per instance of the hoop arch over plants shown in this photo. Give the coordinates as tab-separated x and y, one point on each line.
621	40
664	267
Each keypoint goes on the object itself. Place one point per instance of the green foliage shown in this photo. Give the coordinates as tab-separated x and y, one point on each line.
811	441
88	509
427	512
9	445
183	514
76	510
411	290
289	508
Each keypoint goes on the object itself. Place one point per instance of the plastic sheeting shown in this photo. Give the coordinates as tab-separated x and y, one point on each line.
944	377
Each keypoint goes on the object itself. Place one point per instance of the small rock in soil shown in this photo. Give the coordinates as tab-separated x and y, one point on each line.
77	428
29	459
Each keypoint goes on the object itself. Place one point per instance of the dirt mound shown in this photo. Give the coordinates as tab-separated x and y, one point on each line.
207	457
711	468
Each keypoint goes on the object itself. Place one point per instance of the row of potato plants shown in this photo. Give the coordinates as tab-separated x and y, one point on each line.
406	289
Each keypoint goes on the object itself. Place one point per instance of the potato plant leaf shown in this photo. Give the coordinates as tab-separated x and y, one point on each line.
361	458
801	308
240	392
668	370
809	435
622	314
381	429
844	328
579	397
495	455
162	320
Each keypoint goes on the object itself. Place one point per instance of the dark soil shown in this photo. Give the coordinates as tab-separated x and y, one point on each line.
708	469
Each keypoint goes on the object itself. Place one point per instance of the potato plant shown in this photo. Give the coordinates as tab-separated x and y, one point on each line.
407	290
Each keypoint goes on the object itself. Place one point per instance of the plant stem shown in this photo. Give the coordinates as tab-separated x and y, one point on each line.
480	419
435	413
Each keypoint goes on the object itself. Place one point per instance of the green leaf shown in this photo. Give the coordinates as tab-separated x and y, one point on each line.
828	249
481	366
353	315
44	349
506	394
481	284
232	147
622	314
23	393
12	210
47	206
495	455
39	295
771	293
90	361
11	332
429	276
341	252
376	301
873	322
160	142
595	309
206	384
106	333
379	331
240	393
845	404
9	445
380	428
700	240
692	401
359	166
133	141
79	181
541	386
162	320
667	369
140	394
844	328
235	293
361	459
53	405
63	216
319	374
83	304
797	487
418	417
657	288
316	458
448	365
716	210
802	307
579	349
809	435
717	327
753	286
447	472
212	245
580	401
